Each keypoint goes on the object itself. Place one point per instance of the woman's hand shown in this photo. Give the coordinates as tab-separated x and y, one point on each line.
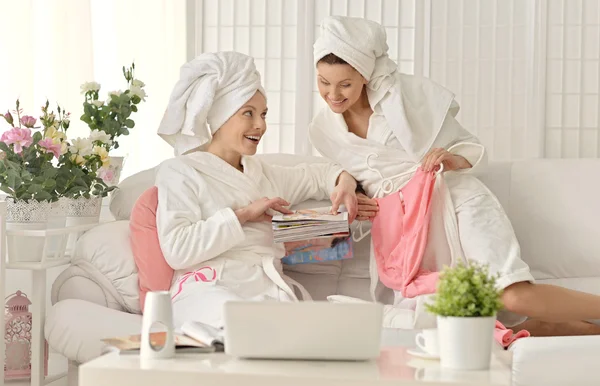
260	210
438	155
367	208
345	193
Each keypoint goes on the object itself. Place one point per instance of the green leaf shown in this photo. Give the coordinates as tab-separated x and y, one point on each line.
129	123
43	196
35	188
49	184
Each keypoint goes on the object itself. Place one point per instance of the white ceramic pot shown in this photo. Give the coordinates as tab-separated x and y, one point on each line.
465	343
21	215
79	211
116	166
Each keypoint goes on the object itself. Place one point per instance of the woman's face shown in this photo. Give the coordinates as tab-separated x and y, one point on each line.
340	85
244	130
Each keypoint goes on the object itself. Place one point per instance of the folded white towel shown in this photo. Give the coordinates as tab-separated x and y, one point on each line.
211	88
415	108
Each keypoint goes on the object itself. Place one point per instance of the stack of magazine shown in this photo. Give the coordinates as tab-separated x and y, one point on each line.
308	224
313	235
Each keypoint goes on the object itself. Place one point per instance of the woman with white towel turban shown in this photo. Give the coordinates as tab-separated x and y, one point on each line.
215	199
381	125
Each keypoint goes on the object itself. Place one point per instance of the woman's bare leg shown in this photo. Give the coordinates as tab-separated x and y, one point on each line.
550	303
538	327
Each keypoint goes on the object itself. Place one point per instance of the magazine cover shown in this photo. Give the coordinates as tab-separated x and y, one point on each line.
335	247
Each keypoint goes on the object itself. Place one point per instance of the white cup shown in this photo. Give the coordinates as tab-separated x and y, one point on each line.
427	340
158	310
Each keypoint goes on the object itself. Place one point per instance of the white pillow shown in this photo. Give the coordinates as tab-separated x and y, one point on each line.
105	253
129	190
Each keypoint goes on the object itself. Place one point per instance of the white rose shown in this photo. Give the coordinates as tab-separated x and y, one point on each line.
90	86
135	90
82	146
100	135
98	103
138	83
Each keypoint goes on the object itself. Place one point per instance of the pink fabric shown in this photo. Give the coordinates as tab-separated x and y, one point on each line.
506	336
399	236
153	271
204	274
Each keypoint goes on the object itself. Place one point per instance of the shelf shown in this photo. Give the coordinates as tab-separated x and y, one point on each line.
36	265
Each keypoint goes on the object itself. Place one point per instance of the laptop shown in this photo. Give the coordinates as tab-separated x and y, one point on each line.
303	330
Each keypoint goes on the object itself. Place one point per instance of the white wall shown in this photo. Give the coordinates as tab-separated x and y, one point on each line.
525	72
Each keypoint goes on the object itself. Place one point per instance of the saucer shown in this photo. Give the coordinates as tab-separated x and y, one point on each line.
422	354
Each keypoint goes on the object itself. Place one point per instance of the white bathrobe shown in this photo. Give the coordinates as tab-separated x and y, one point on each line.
199	231
473	218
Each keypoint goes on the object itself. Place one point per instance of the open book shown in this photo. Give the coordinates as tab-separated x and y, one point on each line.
132	343
308	224
193	337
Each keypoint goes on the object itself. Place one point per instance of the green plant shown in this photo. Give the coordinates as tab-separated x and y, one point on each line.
466	291
113	115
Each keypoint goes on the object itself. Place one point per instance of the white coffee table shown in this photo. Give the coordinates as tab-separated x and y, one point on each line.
394	367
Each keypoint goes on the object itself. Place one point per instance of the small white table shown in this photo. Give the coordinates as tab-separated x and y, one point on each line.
394	367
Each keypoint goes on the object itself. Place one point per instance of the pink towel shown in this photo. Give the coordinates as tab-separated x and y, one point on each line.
399	236
506	336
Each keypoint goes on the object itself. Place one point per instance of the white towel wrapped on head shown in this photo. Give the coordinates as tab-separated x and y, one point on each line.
211	88
415	108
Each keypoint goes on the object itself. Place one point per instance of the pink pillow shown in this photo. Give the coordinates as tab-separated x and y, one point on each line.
153	271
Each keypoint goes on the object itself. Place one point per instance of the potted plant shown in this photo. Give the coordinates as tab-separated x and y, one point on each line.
466	303
113	116
28	176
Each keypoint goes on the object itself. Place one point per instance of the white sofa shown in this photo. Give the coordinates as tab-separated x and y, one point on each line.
554	206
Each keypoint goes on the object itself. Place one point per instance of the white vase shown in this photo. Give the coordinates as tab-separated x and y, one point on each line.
116	166
79	211
465	343
22	215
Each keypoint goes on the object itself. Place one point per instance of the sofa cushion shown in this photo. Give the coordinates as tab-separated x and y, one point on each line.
104	252
154	274
75	328
129	190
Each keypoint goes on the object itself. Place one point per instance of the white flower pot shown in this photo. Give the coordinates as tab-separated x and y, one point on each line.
465	343
82	210
21	215
116	166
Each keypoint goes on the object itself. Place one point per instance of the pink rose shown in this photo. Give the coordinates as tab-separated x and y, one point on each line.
50	146
28	121
107	175
19	137
8	117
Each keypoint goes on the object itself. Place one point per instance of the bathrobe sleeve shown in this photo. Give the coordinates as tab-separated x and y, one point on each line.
457	140
304	181
186	237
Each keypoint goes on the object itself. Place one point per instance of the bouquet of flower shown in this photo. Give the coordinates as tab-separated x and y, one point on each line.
26	168
82	163
112	116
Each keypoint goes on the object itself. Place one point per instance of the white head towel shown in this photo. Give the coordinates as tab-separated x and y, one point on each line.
211	88
415	108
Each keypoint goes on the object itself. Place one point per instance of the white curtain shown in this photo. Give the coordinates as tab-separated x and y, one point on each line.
49	47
